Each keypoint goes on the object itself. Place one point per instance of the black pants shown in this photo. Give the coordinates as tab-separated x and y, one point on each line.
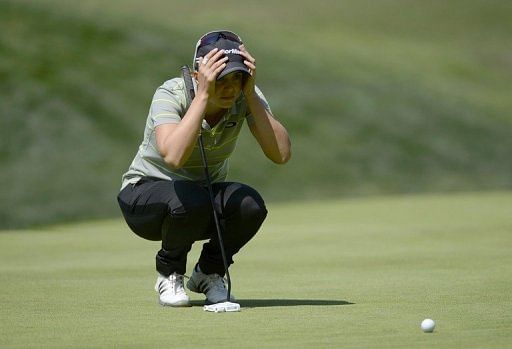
179	213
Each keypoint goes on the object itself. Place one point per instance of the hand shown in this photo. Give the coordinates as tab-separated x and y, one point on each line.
250	81
209	67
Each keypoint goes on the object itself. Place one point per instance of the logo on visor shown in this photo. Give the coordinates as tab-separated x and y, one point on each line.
233	51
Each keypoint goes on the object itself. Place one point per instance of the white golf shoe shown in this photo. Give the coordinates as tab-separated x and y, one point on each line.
171	290
212	285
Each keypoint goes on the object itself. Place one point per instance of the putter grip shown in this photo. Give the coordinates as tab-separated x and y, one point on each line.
189	84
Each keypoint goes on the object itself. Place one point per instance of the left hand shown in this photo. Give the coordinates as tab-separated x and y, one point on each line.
250	82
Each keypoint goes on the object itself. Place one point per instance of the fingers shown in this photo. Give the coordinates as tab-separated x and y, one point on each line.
204	60
211	58
246	54
212	63
249	61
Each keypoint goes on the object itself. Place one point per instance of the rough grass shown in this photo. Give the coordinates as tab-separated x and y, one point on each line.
379	97
347	273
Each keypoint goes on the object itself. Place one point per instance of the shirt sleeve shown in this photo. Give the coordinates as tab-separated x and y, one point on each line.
248	116
168	104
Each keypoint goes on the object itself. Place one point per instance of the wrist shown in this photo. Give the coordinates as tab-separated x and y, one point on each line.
202	96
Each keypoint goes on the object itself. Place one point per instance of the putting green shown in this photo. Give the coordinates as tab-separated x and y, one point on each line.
351	273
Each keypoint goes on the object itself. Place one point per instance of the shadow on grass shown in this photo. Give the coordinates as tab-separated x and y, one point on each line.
262	303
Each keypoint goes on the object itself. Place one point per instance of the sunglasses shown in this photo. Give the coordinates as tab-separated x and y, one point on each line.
213	37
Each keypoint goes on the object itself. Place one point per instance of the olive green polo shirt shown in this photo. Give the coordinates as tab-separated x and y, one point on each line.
168	106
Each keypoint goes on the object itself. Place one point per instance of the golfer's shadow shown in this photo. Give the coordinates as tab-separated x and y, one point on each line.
262	303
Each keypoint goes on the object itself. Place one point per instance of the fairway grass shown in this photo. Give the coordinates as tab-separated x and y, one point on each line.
356	273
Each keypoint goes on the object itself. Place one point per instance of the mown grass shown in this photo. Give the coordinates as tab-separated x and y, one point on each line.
379	97
358	273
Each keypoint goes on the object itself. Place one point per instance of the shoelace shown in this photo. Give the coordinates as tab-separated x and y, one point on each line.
177	283
217	282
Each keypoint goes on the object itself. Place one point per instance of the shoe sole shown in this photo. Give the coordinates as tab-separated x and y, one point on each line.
182	304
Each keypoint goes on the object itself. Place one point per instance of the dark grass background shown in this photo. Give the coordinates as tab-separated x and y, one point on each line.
379	97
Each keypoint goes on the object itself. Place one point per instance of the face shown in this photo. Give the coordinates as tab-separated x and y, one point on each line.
227	89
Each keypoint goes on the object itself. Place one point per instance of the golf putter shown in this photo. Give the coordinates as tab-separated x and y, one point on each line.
226	306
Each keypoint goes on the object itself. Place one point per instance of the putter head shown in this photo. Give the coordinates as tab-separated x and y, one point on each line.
224	307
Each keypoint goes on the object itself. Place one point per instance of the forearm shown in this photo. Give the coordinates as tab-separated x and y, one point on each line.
178	145
270	134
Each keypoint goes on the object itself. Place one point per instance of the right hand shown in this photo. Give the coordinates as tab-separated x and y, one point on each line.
209	68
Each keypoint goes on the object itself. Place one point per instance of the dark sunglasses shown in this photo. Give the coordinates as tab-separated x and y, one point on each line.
213	37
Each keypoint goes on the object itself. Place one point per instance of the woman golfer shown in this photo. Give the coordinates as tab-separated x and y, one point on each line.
164	194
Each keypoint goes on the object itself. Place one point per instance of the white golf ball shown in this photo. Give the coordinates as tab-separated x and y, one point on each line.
428	325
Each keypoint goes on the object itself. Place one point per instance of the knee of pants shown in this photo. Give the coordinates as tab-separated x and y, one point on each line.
247	203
